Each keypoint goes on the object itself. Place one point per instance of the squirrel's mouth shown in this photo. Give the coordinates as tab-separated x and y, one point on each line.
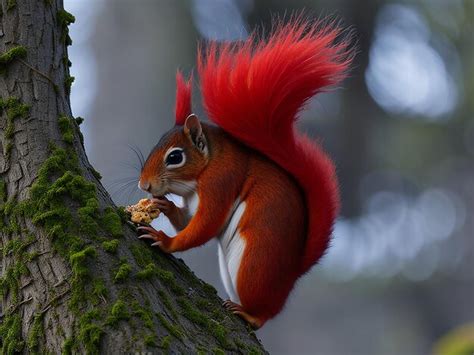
158	191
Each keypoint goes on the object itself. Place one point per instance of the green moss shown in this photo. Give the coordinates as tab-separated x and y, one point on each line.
10	334
80	276
78	260
190	312
111	222
123	272
246	348
10	212
110	246
35	334
3	191
16	246
142	254
10	246
218	351
68	83
8	149
68	346
253	350
148	272
9	56
197	317
64	19
11	275
11	4
144	313
118	312
167	277
90	336
122	214
9	283
174	330
150	340
166	342
79	120
67	129
89	316
220	333
90	332
14	109
66	61
99	291
12	54
87	215
202	303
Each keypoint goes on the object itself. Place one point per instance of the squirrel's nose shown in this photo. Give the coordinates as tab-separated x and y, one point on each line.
144	185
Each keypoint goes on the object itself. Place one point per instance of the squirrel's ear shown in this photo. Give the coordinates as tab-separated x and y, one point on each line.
193	129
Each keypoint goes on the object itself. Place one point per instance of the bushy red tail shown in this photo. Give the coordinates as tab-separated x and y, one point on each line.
255	89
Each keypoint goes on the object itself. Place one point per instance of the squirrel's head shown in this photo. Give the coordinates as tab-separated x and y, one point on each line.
176	161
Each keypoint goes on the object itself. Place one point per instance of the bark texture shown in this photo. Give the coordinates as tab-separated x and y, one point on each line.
73	276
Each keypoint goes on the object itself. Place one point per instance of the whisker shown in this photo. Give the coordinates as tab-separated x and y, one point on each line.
117	185
138	154
126	194
130	166
118	188
125	179
183	185
128	185
122	185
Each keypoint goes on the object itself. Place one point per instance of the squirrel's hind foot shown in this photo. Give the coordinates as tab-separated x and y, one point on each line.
237	309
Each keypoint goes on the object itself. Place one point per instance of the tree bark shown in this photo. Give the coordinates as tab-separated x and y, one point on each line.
73	276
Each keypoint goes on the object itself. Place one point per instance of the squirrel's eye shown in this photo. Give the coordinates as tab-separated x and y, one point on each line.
175	158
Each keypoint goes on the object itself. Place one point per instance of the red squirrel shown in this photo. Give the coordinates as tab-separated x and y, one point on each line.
267	192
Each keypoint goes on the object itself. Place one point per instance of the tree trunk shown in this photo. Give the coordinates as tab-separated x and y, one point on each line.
74	277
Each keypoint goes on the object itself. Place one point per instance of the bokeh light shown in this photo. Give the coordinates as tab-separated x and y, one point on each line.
406	75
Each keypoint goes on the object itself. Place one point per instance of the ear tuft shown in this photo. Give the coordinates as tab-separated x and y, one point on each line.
183	98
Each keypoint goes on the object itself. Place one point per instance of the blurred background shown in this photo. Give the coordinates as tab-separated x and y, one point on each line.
399	275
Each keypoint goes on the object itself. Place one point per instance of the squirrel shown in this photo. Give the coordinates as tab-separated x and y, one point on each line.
267	192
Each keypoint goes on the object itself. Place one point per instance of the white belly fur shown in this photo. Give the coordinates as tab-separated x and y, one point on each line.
230	247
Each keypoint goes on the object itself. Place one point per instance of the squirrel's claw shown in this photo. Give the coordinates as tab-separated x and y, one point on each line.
146	236
160	238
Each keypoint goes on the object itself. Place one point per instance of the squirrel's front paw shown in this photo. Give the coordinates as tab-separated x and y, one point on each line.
164	205
160	238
